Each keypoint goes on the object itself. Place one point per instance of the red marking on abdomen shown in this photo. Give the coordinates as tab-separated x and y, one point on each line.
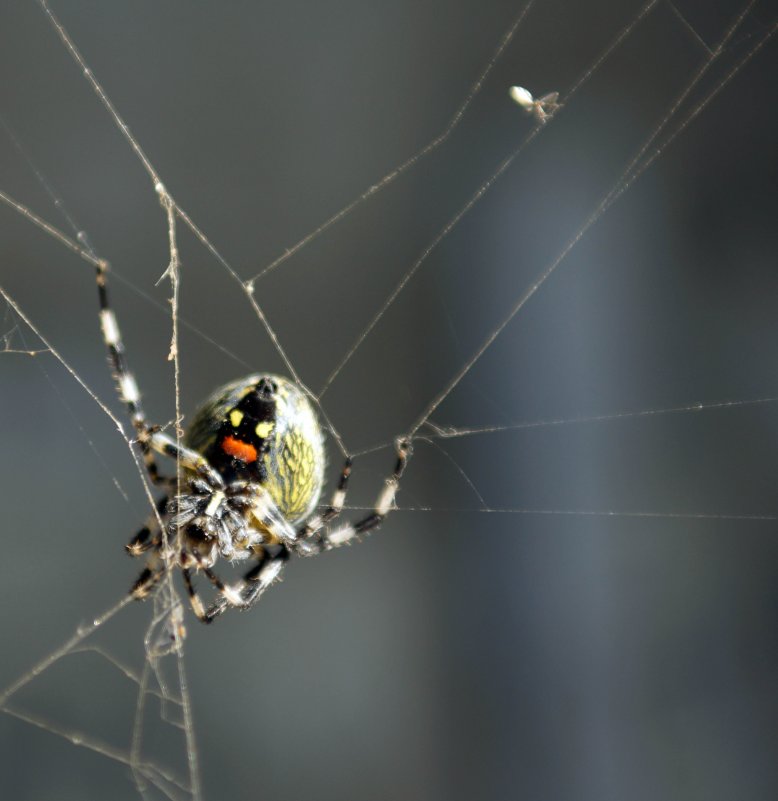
240	450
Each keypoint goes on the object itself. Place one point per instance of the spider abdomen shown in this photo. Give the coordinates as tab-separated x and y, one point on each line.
263	429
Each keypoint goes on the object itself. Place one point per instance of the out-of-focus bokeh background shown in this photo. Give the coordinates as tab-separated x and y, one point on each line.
505	636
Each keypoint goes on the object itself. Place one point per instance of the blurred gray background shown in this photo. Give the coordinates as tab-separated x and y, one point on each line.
535	652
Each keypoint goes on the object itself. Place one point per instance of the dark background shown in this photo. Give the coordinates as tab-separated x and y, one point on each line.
459	653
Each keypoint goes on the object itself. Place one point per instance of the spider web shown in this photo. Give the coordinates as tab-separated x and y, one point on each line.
400	313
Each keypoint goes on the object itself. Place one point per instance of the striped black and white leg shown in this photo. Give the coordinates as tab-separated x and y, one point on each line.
309	541
150	438
148	579
148	537
320	537
242	595
194	598
251	587
125	380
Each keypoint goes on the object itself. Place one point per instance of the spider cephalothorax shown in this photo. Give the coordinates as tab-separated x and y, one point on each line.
250	474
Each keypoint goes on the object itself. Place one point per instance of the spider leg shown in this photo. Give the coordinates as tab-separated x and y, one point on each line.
309	539
148	536
316	536
143	541
194	598
252	585
127	385
146	582
150	438
157	440
241	596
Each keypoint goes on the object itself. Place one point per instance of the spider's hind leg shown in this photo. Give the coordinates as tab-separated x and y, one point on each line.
194	598
318	536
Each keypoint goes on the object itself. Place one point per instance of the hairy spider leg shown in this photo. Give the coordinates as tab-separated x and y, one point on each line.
322	538
149	437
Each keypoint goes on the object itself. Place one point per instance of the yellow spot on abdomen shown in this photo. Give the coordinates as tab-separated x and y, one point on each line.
236	415
264	429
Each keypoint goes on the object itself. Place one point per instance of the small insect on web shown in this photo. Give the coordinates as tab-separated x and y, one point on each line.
542	108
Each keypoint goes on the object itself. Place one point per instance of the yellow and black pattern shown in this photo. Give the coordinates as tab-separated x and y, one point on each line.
263	429
295	463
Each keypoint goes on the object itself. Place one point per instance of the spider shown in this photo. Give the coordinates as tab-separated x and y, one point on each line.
250	473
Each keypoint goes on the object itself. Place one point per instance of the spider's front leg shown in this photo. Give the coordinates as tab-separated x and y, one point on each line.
186	458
